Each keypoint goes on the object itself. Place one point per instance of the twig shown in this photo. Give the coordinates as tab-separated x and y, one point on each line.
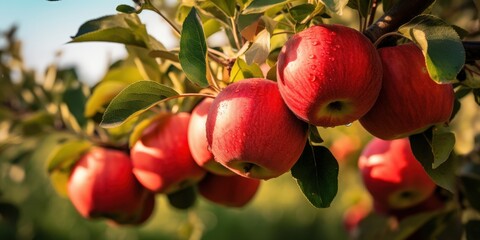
399	14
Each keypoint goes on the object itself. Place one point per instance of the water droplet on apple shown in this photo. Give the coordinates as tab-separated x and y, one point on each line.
315	43
348	124
311	56
313	79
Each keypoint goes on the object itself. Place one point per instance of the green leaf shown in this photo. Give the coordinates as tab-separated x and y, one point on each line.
67	155
258	52
443	142
241	70
336	6
164	54
121	28
123	8
362	6
301	12
193	50
76	100
259	6
441	45
228	7
316	173
112	83
134	100
443	175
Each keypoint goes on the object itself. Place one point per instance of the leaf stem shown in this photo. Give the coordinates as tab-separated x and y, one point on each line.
372	13
235	34
174	27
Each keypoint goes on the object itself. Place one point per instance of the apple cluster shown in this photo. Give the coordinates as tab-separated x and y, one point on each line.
256	129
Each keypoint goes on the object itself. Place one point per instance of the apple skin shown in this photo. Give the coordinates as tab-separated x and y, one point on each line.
252	132
392	174
345	147
197	140
329	75
354	215
432	203
229	191
141	216
409	101
161	158
102	185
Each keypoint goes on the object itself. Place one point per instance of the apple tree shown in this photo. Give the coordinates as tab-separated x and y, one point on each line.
216	121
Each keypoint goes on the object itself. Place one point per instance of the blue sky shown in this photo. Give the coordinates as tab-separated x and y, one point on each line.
45	27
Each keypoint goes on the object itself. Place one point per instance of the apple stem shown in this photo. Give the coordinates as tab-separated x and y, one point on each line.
247	167
381	38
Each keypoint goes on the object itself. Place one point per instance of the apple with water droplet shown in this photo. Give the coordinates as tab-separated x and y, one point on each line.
410	101
197	140
102	185
252	132
162	161
230	191
392	174
329	75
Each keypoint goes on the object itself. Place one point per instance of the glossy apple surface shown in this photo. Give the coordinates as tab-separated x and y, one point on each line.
329	75
230	191
252	132
162	161
409	101
102	184
197	139
392	174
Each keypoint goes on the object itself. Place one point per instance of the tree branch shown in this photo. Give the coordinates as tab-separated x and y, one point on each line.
397	15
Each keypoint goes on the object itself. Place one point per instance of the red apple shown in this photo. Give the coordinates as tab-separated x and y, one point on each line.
344	147
230	191
197	140
393	176
329	75
102	184
354	215
252	132
141	216
432	203
410	101
162	161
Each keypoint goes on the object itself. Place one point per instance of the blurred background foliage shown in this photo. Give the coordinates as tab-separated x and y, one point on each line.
40	110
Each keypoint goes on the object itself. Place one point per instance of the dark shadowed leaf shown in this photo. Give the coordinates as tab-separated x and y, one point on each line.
134	100
362	6
193	50
441	45
443	175
123	8
314	136
470	182
316	173
472	230
183	199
